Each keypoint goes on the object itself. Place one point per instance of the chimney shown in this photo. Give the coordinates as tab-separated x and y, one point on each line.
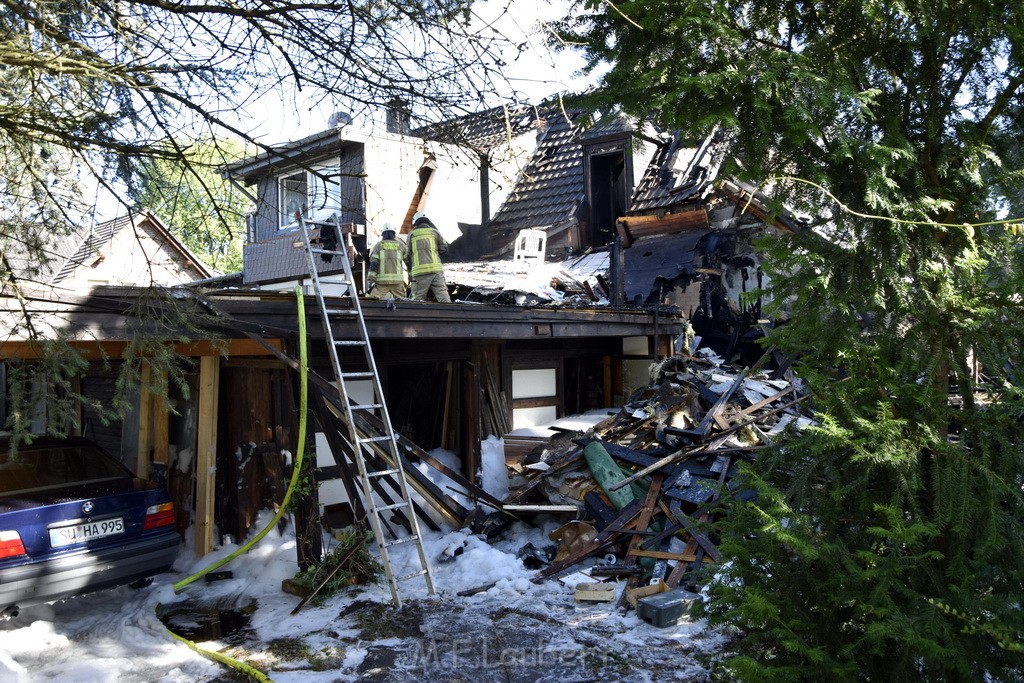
398	116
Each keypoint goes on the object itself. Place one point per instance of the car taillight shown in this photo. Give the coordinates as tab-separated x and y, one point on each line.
158	515
10	544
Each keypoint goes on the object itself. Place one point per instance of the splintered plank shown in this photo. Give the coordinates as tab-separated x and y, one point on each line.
680	520
693	546
663	555
712	415
650	504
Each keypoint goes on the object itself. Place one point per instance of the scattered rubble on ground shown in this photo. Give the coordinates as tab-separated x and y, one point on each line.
638	491
578	282
640	488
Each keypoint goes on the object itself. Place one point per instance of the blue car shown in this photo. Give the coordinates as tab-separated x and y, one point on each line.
74	520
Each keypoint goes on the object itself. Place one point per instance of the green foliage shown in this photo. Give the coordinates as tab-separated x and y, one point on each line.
874	532
349	563
159	320
199	206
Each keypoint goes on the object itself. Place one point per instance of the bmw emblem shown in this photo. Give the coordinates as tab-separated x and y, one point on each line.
87	507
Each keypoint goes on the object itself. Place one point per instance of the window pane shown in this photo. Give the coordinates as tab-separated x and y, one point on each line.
534	383
324	191
293	198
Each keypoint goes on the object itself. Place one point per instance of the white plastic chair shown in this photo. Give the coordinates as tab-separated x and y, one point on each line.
530	247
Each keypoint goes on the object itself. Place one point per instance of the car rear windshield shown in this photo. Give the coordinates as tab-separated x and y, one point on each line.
40	468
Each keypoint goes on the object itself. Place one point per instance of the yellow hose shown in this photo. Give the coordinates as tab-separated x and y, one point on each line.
248	670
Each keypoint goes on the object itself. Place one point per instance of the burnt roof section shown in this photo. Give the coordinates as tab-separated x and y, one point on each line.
681	172
483	131
550	189
663	259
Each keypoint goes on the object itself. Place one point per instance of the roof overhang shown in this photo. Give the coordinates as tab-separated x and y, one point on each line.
106	315
288	156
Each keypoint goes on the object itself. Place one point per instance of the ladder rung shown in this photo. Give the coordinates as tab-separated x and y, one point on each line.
393	506
357	375
374	439
368	406
407	539
317	250
382	473
333	281
350	342
411	576
342	311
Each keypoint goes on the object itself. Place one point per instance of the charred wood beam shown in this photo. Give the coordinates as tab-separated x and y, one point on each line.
338	446
632	228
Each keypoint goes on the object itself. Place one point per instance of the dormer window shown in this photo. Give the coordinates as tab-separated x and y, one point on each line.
608	176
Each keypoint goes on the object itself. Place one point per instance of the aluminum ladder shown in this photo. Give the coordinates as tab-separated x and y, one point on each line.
383	444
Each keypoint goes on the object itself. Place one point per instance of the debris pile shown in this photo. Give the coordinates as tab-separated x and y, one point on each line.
579	282
644	483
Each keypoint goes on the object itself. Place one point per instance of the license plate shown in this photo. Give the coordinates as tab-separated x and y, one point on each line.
79	533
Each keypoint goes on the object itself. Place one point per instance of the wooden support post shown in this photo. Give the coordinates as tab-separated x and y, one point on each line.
75	425
145	412
161	422
206	453
469	406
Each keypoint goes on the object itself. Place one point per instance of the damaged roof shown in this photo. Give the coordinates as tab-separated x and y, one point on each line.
485	130
664	258
682	171
550	189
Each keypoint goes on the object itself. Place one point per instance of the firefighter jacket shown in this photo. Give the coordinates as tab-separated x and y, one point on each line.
425	248
387	262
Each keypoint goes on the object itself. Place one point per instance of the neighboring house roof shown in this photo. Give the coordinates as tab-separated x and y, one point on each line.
96	242
550	187
67	255
34	252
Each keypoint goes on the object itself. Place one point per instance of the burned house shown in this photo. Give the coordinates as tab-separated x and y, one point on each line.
567	324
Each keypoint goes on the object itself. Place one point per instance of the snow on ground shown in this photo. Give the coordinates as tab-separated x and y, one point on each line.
514	630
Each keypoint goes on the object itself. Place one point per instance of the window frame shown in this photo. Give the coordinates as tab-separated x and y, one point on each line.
285	219
321	188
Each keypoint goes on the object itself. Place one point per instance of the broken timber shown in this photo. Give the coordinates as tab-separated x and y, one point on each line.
678	440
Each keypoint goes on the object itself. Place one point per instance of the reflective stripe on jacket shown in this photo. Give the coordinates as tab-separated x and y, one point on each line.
425	248
387	262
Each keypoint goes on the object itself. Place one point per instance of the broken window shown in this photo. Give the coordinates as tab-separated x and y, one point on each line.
607	195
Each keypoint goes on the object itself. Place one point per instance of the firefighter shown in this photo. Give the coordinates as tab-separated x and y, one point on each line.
425	248
387	267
